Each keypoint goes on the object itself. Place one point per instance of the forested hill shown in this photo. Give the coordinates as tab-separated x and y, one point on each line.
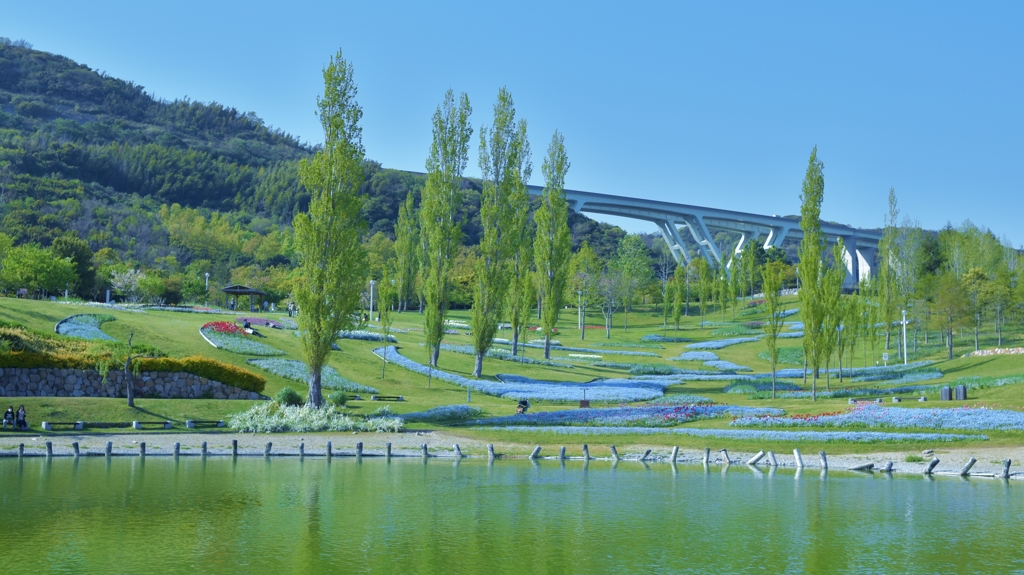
83	152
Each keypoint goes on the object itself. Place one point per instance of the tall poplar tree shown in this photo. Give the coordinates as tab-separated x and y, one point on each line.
585	271
504	204
811	309
771	281
678	292
634	264
407	252
332	261
440	226
553	245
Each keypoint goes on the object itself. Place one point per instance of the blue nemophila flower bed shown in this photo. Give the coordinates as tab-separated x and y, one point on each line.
362	335
596	351
872	415
85	326
235	341
643	416
503	354
516	387
720	343
723	365
757	434
299	371
627	344
796	326
883	372
697	356
898	378
443	413
791	335
788	312
756	385
679	399
658	338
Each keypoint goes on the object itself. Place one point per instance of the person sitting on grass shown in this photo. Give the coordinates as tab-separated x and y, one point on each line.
522	407
20	422
9	417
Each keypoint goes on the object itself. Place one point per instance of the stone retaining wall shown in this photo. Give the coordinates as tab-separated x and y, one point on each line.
52	382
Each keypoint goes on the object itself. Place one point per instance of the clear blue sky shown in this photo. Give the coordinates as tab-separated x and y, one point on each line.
714	105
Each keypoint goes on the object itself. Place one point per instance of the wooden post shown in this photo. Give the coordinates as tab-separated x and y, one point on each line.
863	467
387	449
266	450
21	450
204	449
302	449
234	448
725	455
49	449
1006	469
644	456
177	449
824	461
799	459
931	466
753	460
359	449
74	446
967	468
142	449
586	452
330	450
707	456
615	454
771	459
110	447
675	453
536	452
561	452
888	467
490	451
458	452
424	448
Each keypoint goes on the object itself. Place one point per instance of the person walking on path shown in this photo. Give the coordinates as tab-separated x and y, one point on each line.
20	421
9	417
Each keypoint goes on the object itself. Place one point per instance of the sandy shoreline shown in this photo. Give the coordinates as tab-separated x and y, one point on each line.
440	444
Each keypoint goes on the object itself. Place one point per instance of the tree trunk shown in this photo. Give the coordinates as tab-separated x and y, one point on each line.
547	346
478	365
607	327
316	398
583	320
129	382
515	342
434	353
949	343
976	347
384	363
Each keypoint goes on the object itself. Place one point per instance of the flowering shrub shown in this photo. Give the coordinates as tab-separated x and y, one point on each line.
796	326
443	413
759	435
791	335
517	387
655	337
720	343
736	330
755	385
726	365
873	415
458	324
85	326
651	369
299	371
755	303
859	371
643	416
584	355
696	356
225	335
362	335
269	417
585	349
788	312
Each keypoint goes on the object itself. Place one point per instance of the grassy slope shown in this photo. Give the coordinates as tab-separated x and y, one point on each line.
177	334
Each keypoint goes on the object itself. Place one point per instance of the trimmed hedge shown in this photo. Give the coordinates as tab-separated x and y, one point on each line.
196	365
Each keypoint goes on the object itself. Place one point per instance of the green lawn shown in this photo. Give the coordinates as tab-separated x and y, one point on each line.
178	335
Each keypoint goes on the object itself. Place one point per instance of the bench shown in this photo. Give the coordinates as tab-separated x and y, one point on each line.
162	424
386	398
76	425
193	423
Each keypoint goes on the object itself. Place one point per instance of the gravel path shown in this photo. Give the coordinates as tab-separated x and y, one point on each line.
440	444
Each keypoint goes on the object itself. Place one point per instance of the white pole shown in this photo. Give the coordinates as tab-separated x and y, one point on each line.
372	282
904	337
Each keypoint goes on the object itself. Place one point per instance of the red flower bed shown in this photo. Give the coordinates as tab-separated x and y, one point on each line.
225	327
755	303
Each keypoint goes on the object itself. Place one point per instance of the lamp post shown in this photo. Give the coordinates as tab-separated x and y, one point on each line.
207	288
372	283
904	337
579	308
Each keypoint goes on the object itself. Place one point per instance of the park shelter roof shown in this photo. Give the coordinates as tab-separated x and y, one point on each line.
238	289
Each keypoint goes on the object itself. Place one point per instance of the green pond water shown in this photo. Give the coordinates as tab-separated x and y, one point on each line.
250	515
